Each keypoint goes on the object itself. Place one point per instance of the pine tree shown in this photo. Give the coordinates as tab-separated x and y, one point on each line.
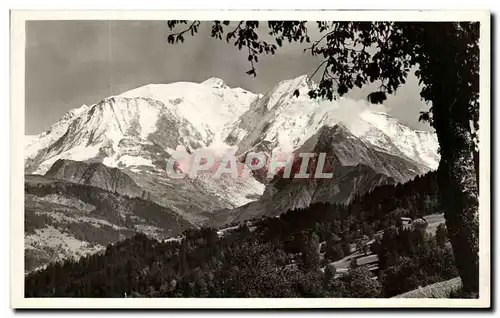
310	252
354	263
346	247
441	235
333	250
330	271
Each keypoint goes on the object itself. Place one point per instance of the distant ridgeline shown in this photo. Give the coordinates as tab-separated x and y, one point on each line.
288	256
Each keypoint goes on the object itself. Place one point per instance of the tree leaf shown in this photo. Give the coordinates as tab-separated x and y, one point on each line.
377	97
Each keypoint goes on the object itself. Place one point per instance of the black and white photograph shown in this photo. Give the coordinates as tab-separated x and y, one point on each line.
216	158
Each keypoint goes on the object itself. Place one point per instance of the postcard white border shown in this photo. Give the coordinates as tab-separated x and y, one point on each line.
17	107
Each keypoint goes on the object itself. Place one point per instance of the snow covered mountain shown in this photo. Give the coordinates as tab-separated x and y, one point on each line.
384	131
139	130
283	121
141	126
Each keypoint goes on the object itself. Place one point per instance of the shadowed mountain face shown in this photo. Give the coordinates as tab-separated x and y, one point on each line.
346	183
97	175
186	197
356	168
348	150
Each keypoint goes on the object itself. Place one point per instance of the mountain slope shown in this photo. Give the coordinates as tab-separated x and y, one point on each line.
141	126
186	197
67	220
356	169
283	121
97	175
421	146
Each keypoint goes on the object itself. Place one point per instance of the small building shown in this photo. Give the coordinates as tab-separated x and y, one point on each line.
406	223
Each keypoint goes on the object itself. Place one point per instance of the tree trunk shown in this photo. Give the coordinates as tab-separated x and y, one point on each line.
459	191
450	92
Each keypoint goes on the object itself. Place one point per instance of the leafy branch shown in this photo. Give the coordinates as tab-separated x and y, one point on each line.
178	36
395	48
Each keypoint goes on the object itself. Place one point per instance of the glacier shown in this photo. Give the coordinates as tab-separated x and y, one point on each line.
138	130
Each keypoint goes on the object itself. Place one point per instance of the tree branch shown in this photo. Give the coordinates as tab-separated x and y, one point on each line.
195	23
316	70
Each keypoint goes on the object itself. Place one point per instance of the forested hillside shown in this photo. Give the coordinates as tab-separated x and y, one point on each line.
68	220
292	255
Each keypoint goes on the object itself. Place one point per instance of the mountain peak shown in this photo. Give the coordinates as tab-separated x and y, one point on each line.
74	112
297	82
340	127
304	78
215	82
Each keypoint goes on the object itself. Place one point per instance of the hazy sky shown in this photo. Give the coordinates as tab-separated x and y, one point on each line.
70	63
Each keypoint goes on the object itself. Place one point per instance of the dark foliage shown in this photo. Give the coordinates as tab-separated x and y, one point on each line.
274	257
426	265
412	199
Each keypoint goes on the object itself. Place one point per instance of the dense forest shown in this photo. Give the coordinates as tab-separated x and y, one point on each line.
413	199
293	255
